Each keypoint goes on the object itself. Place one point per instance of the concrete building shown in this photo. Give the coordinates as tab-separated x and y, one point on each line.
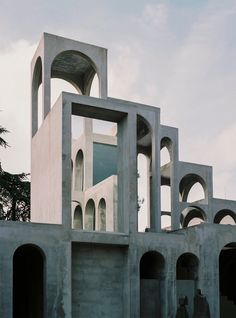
86	253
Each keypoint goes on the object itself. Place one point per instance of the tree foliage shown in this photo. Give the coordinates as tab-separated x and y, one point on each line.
14	192
3	142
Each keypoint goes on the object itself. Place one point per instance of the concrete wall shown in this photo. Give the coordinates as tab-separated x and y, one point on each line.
97	281
46	170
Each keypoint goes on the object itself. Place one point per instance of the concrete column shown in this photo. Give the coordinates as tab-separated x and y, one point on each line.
134	282
127	174
66	164
156	178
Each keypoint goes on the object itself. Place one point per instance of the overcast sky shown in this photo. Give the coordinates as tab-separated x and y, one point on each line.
179	55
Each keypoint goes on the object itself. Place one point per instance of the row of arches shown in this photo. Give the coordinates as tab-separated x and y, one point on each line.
90	223
192	187
193	215
152	281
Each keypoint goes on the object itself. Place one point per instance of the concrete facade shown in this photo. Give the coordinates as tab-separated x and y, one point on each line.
87	256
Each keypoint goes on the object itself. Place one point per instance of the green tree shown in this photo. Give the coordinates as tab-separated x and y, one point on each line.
14	192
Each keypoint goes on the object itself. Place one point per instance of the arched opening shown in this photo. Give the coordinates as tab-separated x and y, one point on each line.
75	68
37	107
143	208
225	216
227	280
78	218
186	279
192	216
102	215
152	266
28	282
192	188
58	86
144	173
79	171
90	215
165	156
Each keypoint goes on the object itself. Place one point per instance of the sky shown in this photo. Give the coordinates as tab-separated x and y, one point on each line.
178	55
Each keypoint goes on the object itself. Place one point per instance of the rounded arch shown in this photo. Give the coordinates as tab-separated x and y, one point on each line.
166	150
152	265
28	281
144	135
186	279
186	184
90	215
102	215
78	217
79	171
152	287
187	267
76	68
224	213
192	213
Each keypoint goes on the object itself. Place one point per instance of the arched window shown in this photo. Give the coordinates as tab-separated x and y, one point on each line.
78	218
225	216
28	282
102	215
186	278
166	151
192	188
90	215
152	266
79	171
192	216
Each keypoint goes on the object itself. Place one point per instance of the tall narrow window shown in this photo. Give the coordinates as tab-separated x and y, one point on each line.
90	216
79	171
78	218
102	215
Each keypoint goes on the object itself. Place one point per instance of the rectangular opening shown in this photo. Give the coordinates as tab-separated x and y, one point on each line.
94	169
